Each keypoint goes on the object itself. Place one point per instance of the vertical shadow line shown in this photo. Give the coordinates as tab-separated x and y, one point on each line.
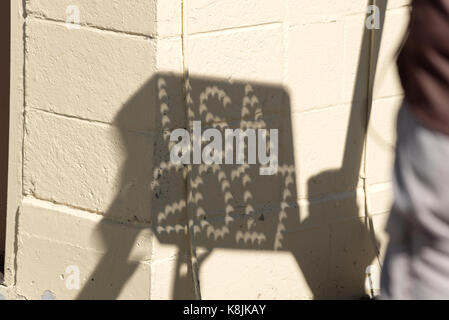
187	169
374	50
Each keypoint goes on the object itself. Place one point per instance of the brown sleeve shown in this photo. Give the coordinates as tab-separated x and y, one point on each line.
424	63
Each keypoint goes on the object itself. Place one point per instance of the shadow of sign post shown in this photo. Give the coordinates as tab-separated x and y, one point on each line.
202	207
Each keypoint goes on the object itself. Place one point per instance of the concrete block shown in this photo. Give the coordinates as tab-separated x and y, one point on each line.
135	17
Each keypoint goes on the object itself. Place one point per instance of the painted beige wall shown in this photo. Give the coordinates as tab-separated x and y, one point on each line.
90	105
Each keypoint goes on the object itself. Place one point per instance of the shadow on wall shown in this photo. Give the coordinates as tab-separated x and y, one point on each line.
201	207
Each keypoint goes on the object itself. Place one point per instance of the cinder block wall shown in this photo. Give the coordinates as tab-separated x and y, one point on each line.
90	107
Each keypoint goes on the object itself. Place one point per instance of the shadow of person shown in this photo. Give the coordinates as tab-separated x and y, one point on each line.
199	207
351	244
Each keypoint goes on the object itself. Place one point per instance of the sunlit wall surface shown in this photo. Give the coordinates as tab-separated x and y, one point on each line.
98	210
